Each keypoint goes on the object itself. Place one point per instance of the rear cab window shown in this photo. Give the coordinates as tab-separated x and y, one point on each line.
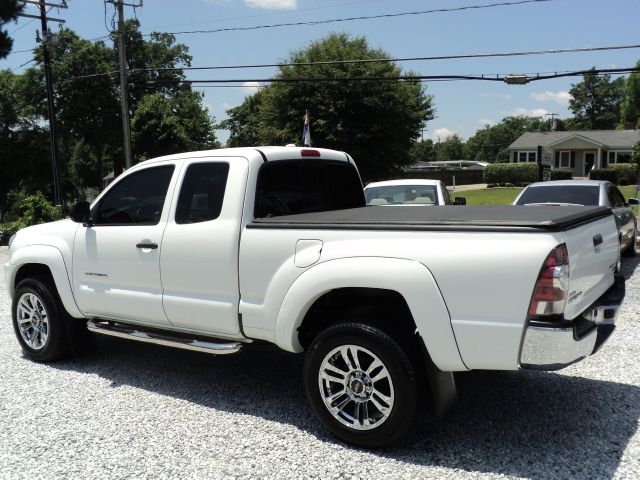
289	187
577	195
399	194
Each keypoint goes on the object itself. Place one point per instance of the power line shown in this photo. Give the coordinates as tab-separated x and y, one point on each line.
496	78
367	17
401	59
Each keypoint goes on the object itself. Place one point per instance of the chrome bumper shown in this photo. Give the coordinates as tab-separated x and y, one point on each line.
552	345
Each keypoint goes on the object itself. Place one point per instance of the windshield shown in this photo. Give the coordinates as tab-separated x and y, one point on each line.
399	194
575	194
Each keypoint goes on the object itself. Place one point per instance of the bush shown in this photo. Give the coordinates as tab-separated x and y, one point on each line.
561	174
626	173
620	174
514	173
26	210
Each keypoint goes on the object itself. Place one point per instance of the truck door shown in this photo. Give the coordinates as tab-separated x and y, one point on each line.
199	261
116	261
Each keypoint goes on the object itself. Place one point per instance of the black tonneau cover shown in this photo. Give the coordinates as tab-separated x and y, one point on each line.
446	217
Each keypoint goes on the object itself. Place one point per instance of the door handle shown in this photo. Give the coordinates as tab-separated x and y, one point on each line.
152	246
597	240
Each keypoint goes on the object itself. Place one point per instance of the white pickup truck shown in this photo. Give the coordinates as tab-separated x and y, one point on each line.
211	251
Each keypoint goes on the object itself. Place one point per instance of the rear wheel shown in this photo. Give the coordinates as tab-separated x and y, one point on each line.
361	385
38	321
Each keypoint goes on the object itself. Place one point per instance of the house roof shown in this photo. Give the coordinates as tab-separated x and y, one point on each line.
606	138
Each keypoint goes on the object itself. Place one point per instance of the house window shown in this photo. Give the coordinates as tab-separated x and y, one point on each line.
623	156
565	159
527	157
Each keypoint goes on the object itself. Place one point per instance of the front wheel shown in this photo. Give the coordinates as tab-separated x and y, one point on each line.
38	322
361	385
630	251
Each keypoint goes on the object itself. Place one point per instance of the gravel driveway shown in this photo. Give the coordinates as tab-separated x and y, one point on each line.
139	411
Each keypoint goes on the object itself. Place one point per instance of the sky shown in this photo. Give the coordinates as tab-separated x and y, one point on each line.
462	106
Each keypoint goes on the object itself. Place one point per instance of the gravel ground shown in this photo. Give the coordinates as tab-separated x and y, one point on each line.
139	411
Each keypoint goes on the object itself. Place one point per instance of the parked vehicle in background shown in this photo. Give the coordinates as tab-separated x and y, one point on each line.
587	192
410	192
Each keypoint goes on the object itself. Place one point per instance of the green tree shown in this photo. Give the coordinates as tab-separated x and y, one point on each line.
164	125
422	151
452	148
9	10
595	102
376	121
630	108
489	141
244	122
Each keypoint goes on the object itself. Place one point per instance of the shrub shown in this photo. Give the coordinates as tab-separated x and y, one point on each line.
561	174
620	174
26	209
626	173
514	173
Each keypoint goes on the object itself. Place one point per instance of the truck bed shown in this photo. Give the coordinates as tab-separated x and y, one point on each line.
409	217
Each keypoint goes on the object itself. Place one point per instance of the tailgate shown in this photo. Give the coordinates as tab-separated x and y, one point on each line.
594	251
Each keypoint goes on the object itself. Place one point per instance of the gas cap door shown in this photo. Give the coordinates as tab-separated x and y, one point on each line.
307	252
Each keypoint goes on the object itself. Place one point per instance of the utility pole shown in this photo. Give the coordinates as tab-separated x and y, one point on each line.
57	184
124	81
46	41
551	120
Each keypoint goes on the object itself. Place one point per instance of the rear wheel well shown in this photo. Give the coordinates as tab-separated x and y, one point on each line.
387	310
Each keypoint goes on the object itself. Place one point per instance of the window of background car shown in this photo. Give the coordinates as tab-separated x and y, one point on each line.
202	192
396	194
305	186
137	199
615	197
579	195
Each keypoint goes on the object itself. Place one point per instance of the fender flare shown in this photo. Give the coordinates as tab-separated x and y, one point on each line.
52	258
409	278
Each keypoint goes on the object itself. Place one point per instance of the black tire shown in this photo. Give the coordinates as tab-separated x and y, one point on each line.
399	379
38	295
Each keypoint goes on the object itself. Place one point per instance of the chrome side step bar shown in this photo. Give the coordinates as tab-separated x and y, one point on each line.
165	338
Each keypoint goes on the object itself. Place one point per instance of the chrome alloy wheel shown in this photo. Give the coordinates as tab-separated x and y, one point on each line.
356	387
33	321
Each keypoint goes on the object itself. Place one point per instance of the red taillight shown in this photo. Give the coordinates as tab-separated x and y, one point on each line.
309	153
550	292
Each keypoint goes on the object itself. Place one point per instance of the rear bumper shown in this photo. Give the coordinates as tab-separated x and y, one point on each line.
552	345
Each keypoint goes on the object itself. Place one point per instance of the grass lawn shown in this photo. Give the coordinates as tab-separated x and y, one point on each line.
489	196
506	196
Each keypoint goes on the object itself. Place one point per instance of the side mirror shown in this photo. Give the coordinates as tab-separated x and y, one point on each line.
80	212
460	201
633	201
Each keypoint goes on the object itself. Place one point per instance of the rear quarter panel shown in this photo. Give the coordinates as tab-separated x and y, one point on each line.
485	280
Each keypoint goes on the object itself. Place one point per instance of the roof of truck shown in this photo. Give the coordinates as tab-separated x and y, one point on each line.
260	154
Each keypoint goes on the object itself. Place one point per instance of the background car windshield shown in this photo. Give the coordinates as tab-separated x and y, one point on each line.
576	194
425	194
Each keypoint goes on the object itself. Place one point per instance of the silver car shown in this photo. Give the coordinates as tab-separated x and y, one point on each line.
587	192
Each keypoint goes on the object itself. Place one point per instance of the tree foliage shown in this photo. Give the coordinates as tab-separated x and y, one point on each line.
9	10
423	151
88	112
164	125
630	108
373	119
595	102
452	148
488	143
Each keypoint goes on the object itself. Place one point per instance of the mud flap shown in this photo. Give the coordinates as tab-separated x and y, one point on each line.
443	386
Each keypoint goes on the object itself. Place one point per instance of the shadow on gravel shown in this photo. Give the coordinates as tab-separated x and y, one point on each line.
629	266
524	424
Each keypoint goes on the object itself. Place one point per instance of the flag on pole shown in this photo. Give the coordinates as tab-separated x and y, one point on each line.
306	134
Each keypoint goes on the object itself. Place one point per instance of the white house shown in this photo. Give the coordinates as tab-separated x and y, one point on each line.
579	151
